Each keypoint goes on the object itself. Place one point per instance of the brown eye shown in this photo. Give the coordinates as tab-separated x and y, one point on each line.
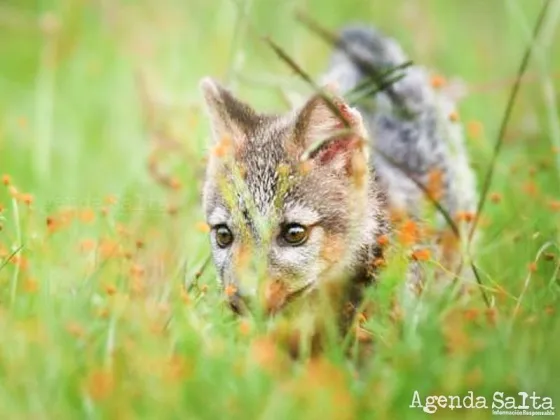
224	237
295	234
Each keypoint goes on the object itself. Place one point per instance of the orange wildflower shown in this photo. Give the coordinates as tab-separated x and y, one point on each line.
26	198
437	81
471	314
421	255
409	233
383	240
244	327
20	262
495	197
202	227
87	215
264	353
454	116
52	224
230	290
100	384
435	184
530	188
110	289
465	216
137	271
75	329
109	248
223	147
474	129
30	285
174	183
554	205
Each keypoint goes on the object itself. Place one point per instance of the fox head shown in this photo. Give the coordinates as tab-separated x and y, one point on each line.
290	199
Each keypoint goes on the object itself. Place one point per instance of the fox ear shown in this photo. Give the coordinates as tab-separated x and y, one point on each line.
327	130
229	116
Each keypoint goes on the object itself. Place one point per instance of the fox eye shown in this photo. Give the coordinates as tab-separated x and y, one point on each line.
224	237
294	234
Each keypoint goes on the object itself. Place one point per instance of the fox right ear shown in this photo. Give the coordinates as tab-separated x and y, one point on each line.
321	135
229	116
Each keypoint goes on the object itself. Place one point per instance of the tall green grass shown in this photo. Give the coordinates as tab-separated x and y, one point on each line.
104	309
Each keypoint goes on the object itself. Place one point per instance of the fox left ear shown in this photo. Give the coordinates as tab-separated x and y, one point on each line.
229	116
329	131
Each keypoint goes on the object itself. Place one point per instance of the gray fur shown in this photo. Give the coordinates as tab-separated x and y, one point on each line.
421	139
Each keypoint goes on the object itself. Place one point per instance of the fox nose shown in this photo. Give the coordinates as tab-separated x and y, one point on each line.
267	297
257	287
241	293
237	304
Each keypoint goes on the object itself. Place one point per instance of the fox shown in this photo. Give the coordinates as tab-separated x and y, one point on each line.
300	199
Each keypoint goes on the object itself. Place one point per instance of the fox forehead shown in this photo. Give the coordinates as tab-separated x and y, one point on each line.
272	192
276	187
258	197
261	177
261	162
263	201
292	212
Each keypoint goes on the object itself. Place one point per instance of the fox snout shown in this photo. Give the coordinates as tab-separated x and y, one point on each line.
253	287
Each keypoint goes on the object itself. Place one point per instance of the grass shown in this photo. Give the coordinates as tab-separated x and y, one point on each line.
102	145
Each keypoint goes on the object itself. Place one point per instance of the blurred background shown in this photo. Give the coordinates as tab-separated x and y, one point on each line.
79	77
102	151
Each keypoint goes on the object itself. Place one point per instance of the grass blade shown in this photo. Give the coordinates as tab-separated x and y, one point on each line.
505	120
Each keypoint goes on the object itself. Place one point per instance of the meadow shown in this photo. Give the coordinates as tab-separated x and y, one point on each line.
108	305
